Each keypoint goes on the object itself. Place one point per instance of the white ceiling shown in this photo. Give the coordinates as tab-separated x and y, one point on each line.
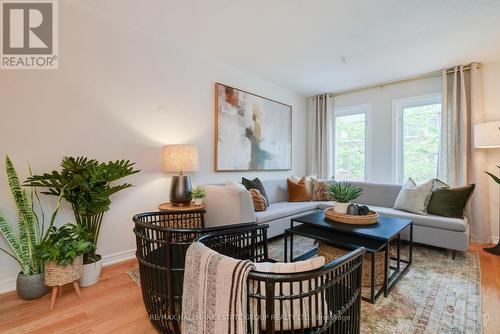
301	44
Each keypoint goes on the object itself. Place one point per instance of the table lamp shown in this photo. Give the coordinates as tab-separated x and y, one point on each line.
179	159
487	136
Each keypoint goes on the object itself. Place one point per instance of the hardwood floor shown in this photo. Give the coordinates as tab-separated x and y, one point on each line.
114	305
490	278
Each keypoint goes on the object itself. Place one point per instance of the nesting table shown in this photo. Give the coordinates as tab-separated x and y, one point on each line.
374	238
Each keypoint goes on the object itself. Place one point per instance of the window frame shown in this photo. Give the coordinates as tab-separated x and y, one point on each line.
365	109
398	106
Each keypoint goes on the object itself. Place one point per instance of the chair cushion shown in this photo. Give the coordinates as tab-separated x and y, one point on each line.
284	209
290	312
443	223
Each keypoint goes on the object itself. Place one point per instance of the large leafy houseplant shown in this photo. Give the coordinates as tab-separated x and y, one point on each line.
29	233
87	185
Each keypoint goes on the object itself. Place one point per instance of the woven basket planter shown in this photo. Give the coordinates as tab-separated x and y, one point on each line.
57	275
331	253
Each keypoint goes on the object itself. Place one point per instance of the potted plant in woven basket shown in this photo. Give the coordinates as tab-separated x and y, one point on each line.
26	236
62	252
87	185
343	193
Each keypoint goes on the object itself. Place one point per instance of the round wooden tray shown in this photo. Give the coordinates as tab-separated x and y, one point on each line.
369	219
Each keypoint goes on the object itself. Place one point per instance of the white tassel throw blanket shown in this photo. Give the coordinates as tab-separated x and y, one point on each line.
214	297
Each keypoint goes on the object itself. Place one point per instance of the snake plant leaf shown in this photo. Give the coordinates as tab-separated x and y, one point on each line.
27	222
12	240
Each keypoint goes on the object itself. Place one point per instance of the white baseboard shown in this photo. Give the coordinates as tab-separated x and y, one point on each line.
494	239
9	284
118	257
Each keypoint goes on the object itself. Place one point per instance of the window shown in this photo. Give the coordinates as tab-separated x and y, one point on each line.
350	128
417	132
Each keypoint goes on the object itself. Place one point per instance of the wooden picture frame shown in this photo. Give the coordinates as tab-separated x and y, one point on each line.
252	132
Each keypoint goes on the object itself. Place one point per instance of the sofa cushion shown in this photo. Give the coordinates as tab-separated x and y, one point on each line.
259	201
276	190
379	194
255	184
444	223
284	209
297	191
450	202
319	190
414	198
325	204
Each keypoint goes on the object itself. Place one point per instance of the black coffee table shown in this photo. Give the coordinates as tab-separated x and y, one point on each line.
374	238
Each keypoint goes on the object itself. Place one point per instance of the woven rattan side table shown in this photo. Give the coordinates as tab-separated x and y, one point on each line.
189	216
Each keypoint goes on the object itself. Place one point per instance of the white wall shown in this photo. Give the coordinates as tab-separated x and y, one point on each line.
491	87
103	102
380	168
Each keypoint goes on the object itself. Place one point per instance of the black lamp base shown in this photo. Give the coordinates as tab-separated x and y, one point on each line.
180	190
493	250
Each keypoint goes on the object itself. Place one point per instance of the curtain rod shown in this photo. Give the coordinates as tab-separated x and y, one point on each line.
393	82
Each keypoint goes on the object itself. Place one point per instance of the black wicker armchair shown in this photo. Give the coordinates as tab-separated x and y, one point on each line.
325	300
162	241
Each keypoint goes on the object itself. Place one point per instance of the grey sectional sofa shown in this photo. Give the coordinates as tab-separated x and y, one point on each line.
228	205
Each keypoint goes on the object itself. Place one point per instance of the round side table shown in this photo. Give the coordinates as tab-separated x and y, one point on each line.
189	216
169	207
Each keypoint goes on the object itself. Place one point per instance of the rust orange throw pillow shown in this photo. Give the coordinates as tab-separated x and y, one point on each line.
297	191
259	201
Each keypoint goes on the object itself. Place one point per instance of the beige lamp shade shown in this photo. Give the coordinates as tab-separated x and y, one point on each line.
180	158
487	135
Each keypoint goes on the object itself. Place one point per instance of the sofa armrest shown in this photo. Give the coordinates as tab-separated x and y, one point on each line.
226	205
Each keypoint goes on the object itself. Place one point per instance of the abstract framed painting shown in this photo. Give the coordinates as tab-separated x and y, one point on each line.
251	132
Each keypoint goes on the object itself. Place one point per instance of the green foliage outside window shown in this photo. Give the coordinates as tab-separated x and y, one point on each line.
420	147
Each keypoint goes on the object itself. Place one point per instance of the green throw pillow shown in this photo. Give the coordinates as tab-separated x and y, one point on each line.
255	184
450	202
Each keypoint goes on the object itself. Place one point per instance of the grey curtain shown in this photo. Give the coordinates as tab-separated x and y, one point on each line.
459	163
320	159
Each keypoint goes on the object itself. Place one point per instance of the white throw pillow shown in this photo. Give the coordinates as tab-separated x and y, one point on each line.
287	289
414	198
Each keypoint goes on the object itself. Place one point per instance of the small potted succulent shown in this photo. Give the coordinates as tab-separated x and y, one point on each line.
343	193
198	194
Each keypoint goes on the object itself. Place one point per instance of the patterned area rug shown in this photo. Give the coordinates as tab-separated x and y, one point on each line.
437	295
